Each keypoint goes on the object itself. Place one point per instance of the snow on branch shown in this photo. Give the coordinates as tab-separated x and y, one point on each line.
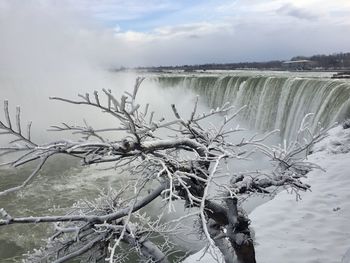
183	166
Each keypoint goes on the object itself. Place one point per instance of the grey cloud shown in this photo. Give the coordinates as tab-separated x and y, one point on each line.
180	29
194	36
250	42
191	31
291	10
59	42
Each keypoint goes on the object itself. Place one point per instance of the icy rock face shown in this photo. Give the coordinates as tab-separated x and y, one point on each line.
346	124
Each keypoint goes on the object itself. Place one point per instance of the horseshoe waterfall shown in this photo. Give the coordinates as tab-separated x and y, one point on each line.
272	101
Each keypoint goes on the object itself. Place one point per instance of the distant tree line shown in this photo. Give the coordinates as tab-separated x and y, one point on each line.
336	61
333	61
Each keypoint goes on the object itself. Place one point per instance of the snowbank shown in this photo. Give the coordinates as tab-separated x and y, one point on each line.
315	229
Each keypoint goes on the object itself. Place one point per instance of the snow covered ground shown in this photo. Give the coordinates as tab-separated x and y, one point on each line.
317	228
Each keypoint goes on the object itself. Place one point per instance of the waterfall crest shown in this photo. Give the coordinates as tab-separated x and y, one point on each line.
273	102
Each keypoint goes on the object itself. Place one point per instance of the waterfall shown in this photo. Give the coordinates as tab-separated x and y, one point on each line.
273	102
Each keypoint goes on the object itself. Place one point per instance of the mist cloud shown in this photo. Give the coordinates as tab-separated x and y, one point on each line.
49	50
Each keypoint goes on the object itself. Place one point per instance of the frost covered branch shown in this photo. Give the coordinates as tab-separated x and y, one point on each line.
181	166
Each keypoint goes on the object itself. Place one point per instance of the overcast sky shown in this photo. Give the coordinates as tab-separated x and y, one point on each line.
170	32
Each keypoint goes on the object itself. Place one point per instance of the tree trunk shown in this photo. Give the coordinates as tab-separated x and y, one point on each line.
239	233
237	226
245	252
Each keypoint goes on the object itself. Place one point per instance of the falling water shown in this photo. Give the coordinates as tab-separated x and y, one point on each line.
273	101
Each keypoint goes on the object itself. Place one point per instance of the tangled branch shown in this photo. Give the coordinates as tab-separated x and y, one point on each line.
183	166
